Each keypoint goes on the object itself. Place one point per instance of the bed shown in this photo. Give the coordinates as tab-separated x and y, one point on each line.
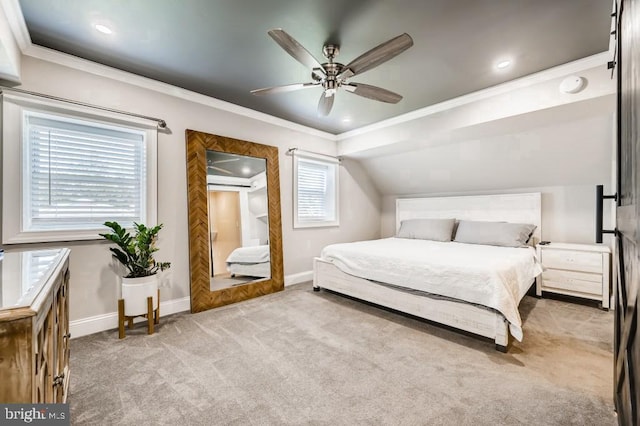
250	261
472	287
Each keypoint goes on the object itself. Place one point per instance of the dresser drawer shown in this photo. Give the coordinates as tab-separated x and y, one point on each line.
572	260
572	281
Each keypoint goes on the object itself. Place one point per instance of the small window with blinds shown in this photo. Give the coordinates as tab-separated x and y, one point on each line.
315	191
69	169
80	174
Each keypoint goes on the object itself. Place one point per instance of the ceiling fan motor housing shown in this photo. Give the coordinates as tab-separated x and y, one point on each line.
330	51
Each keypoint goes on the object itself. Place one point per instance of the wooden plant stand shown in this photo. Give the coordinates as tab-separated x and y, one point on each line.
153	317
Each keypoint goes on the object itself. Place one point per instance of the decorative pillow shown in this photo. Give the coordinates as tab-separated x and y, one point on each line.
427	229
502	234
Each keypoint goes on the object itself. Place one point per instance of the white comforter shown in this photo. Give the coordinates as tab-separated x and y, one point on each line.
496	277
251	254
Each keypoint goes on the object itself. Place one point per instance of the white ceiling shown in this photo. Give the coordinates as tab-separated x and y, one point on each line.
220	48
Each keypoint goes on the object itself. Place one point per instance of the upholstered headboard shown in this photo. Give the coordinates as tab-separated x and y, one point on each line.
514	208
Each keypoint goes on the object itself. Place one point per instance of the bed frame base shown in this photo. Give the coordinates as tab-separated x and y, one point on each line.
501	348
458	315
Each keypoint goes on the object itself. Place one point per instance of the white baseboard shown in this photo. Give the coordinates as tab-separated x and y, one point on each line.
298	278
85	326
95	324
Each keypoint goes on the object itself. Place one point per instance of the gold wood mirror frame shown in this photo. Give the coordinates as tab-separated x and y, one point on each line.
202	298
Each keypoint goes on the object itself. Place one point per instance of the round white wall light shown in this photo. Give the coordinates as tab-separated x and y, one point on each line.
572	84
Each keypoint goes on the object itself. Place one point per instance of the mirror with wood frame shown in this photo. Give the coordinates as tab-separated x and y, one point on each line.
235	231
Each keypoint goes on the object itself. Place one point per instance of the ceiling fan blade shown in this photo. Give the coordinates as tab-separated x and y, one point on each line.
373	92
294	48
225	161
220	170
325	104
376	56
281	89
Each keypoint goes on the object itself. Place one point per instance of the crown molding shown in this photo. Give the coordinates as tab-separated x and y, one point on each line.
583	64
20	32
74	62
16	21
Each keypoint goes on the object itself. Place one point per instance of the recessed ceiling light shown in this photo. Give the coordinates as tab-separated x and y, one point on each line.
103	29
245	170
346	120
503	64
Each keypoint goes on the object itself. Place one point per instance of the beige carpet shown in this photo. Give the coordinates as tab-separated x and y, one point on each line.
299	357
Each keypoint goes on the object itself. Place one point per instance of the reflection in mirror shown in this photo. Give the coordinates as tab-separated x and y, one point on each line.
238	219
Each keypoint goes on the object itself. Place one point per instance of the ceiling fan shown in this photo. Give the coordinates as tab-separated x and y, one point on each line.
333	75
210	165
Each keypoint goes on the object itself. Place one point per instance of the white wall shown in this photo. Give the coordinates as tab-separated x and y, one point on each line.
568	212
564	162
93	287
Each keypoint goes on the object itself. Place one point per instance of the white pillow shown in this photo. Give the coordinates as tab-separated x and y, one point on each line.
427	229
501	234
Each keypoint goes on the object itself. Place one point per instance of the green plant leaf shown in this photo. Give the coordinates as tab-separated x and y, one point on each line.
135	252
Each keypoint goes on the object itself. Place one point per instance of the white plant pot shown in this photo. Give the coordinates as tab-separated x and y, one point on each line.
135	292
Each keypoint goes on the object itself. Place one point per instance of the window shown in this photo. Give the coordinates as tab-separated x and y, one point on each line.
69	171
315	191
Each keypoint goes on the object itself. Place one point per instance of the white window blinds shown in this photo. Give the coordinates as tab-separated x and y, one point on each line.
79	174
315	193
312	190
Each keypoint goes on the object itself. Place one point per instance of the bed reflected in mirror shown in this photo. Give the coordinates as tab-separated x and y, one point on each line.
238	219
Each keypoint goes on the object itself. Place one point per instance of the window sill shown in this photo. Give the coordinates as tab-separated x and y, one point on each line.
52	236
324	224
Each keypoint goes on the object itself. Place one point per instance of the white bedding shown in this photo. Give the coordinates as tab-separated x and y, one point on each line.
251	261
252	254
496	277
262	270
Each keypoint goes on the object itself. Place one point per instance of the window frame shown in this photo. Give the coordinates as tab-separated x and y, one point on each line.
334	163
14	107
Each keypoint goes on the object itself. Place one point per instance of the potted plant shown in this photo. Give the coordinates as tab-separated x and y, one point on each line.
135	252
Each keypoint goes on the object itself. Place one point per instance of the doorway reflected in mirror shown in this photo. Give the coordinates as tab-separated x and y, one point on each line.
238	219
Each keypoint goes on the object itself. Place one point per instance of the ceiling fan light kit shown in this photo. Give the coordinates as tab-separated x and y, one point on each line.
333	75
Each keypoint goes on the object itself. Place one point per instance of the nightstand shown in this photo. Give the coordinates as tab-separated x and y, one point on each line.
581	270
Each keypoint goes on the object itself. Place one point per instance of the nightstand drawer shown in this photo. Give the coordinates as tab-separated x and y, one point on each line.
573	285
572	260
561	275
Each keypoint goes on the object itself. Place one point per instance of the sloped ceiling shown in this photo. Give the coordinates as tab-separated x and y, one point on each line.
568	153
220	48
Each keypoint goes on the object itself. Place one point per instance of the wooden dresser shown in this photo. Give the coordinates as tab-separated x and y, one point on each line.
34	326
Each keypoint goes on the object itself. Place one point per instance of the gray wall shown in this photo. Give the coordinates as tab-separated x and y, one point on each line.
94	285
561	151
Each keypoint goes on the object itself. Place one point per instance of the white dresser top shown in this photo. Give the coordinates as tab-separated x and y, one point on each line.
23	275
